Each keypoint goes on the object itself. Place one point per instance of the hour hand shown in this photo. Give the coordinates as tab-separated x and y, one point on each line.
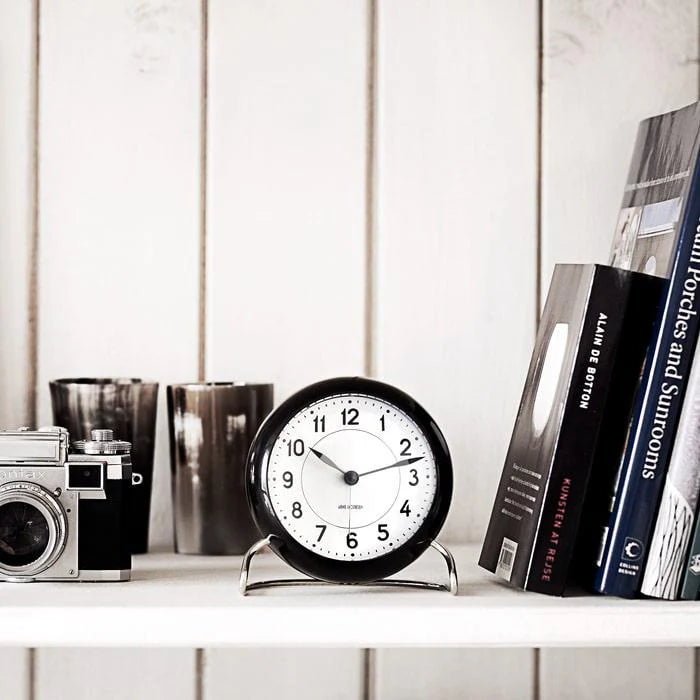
326	460
400	463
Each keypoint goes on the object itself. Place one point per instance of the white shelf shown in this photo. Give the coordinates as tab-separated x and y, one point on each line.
175	600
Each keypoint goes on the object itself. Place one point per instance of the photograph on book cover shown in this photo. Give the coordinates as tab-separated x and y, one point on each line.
668	552
644	237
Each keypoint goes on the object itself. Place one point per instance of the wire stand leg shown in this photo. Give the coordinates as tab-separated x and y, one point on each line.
246	587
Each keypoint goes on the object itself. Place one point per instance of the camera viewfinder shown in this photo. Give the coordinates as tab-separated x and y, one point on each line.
85	475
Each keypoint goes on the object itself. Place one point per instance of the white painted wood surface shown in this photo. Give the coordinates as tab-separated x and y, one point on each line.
14	674
117	674
119	200
606	66
454	674
186	601
314	674
456	238
623	674
285	191
17	48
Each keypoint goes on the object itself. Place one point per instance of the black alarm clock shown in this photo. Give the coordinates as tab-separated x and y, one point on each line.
351	479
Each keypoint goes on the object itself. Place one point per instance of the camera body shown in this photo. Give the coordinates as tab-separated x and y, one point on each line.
63	510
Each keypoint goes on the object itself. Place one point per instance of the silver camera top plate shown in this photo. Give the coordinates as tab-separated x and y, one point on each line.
33	447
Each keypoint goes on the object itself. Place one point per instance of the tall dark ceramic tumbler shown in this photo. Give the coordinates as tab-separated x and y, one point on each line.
211	427
127	407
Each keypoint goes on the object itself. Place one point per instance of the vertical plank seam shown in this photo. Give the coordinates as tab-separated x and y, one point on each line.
32	369
370	154
368	670
199	674
539	159
536	688
202	320
203	143
370	263
33	281
31	674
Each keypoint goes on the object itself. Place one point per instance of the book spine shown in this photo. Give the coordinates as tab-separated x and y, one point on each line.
668	551
590	382
635	335
656	415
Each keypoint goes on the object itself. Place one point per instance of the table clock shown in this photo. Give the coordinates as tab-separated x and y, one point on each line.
350	481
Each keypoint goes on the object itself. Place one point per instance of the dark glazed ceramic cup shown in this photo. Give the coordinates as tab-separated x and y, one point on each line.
211	427
126	406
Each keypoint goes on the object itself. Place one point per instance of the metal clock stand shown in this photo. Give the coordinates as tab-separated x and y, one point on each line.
246	587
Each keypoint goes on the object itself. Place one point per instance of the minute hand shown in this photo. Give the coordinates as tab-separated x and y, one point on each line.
400	463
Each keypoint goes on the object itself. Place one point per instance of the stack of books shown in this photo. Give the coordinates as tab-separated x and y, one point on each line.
601	484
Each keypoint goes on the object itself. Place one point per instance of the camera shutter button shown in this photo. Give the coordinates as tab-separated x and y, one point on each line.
102	442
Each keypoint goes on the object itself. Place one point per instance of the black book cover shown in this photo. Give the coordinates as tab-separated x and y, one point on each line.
579	355
635	335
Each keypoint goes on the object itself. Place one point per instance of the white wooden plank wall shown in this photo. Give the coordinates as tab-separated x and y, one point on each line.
623	674
119	202
115	674
17	185
447	147
456	184
606	66
15	674
454	674
456	217
285	190
311	674
119	199
285	277
17	84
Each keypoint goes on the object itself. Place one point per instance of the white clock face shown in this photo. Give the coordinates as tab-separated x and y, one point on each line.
351	477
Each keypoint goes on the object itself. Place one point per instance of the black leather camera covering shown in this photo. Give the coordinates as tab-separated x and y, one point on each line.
103	527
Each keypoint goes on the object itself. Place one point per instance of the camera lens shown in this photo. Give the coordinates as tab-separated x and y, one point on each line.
24	533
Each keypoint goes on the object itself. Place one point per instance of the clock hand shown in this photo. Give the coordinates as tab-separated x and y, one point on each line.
400	463
326	460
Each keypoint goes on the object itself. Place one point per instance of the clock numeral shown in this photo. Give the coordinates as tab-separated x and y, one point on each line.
383	533
296	509
350	416
295	447
382	421
322	528
406	445
351	540
320	424
414	478
288	479
405	509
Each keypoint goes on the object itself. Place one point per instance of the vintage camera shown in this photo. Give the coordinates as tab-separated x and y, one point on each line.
63	510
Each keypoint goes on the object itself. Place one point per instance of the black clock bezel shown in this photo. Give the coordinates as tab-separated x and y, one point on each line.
314	564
